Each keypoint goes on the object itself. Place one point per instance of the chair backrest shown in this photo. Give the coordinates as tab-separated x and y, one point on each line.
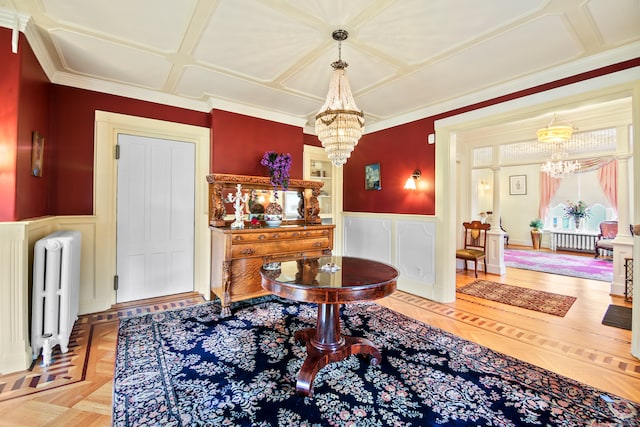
608	229
475	235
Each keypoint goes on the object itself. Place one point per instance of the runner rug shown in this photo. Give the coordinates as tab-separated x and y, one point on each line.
545	302
190	367
586	267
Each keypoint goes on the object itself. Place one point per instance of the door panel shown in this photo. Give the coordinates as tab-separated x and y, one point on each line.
155	211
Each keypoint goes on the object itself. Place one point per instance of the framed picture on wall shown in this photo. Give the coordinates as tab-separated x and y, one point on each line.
37	149
518	184
372	177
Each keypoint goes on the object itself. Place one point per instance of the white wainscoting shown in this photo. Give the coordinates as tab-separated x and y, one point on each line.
405	241
17	240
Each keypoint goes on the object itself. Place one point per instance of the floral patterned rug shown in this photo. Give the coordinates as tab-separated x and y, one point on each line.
189	367
586	267
531	299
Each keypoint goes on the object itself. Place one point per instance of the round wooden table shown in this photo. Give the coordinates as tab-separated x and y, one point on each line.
329	282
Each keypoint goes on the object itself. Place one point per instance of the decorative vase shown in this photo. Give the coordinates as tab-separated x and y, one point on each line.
273	214
578	222
536	238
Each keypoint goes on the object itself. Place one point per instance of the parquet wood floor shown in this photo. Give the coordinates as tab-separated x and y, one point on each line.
75	390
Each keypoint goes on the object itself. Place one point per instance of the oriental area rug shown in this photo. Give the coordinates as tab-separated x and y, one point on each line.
586	267
531	299
189	367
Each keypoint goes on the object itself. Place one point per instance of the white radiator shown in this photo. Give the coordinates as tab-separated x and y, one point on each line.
56	288
582	241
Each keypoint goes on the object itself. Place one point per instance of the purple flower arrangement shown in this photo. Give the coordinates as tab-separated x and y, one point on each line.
279	166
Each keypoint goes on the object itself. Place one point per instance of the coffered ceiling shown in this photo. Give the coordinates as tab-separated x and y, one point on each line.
271	58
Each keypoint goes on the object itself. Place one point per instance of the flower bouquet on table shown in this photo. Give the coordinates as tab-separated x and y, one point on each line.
577	211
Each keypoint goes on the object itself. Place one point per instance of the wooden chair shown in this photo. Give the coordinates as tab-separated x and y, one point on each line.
604	241
506	235
475	241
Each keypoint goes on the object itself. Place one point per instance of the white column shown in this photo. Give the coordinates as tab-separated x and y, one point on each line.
495	236
623	242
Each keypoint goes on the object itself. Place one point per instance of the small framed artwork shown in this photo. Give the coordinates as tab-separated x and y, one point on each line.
518	184
372	177
37	150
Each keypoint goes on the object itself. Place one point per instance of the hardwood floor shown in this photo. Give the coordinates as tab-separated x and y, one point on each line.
75	390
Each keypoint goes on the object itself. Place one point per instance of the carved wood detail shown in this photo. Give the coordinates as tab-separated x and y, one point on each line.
308	191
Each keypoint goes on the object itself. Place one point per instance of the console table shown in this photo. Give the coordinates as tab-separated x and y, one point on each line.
237	254
572	240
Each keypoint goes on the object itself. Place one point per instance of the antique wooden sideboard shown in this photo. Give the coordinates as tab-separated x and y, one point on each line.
237	254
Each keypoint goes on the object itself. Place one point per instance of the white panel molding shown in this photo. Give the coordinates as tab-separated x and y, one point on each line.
405	241
368	237
414	240
15	353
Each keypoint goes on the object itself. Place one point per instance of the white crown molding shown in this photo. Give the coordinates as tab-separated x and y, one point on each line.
567	70
260	113
16	22
118	89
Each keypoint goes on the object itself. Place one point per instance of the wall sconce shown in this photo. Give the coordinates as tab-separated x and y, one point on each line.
411	182
484	185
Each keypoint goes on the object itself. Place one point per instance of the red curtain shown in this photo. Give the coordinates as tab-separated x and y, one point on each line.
608	176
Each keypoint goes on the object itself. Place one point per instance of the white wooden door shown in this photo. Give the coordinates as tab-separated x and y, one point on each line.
155	211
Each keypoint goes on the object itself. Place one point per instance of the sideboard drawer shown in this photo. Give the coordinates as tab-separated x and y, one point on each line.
245	250
261	236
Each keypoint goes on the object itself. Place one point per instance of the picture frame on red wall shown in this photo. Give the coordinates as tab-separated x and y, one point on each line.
37	151
372	177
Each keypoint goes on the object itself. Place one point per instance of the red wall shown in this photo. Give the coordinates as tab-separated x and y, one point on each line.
9	96
311	140
32	193
239	142
72	130
398	149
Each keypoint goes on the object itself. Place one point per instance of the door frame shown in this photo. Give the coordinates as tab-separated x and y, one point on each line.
108	127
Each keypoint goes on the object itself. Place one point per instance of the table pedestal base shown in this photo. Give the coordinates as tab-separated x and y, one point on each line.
325	345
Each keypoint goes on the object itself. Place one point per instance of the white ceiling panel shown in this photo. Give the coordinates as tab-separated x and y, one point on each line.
158	24
229	42
272	57
314	78
508	60
416	30
102	59
618	21
334	13
220	86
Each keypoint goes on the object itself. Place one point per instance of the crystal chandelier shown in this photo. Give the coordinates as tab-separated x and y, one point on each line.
558	167
339	123
556	135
